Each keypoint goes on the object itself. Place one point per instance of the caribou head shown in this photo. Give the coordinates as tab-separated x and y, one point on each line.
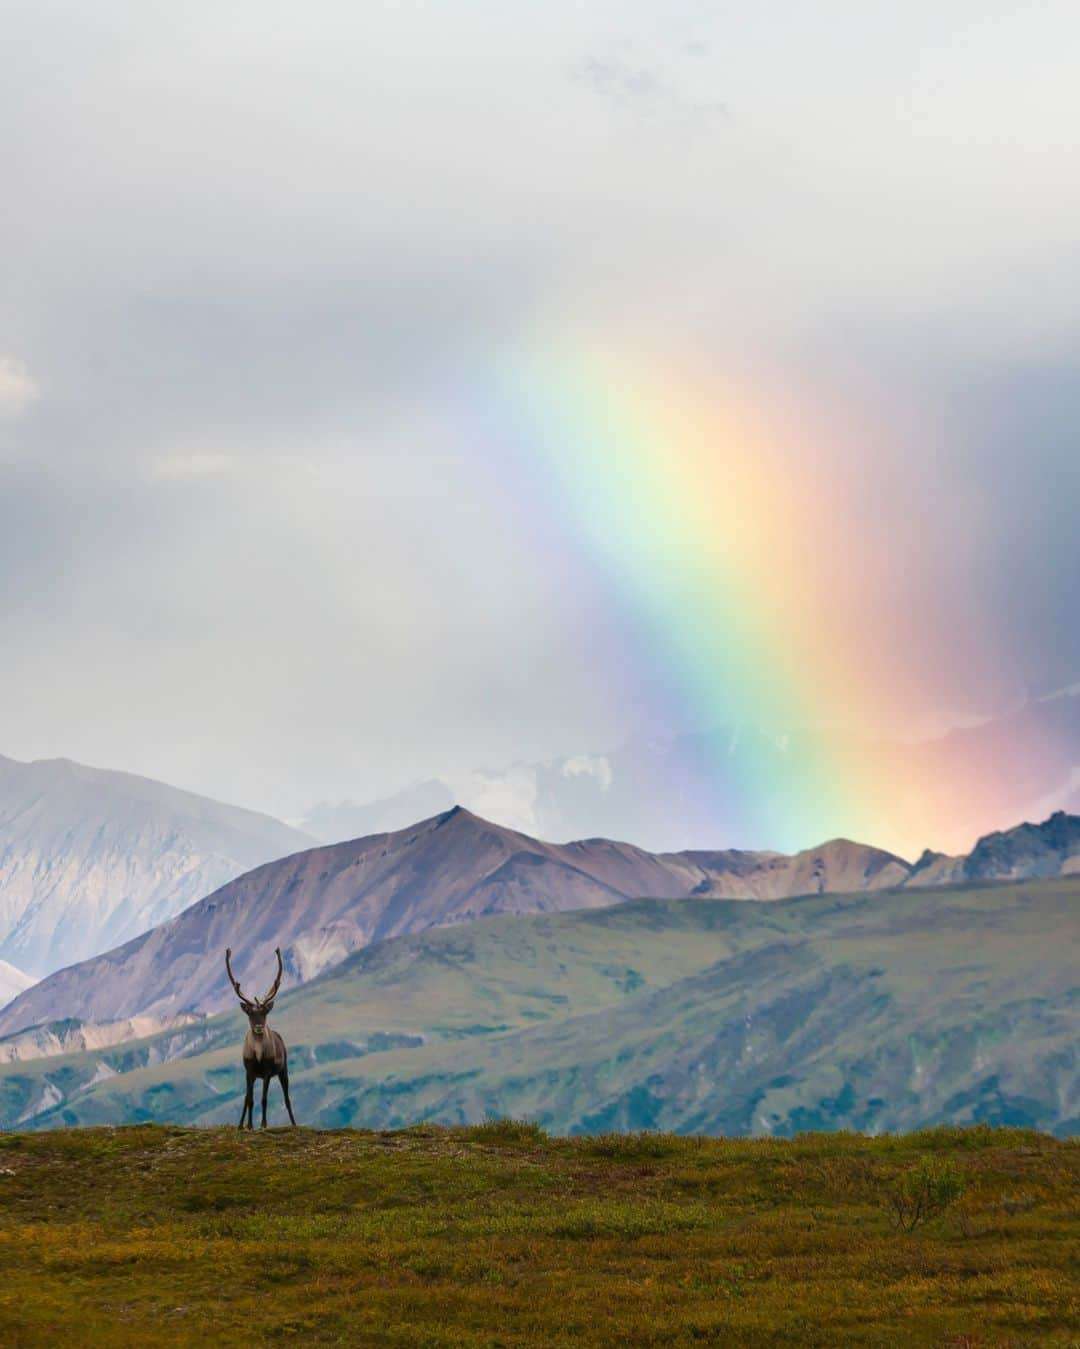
257	1009
265	1055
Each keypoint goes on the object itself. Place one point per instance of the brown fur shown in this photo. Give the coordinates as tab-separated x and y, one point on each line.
264	1053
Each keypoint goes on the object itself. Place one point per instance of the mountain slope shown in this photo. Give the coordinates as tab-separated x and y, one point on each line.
70	1037
883	1012
322	904
90	858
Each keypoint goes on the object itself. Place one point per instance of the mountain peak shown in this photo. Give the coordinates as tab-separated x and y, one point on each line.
458	816
1027	850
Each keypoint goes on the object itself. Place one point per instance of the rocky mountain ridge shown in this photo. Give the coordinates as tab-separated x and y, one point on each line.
1024	852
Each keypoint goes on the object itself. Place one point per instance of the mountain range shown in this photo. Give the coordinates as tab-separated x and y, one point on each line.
887	1011
90	857
323	904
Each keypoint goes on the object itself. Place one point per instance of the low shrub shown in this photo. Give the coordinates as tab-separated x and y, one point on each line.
630	1147
923	1192
508	1133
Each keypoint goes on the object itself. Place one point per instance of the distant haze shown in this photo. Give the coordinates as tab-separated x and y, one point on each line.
282	521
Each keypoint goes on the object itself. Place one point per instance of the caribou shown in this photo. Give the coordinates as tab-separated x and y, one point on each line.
265	1054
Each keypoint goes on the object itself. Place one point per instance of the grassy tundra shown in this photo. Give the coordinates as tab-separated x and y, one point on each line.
500	1235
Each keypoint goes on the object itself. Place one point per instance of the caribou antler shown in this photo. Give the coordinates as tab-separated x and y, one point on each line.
232	977
277	981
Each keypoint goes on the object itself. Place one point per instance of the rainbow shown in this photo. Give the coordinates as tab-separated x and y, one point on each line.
746	578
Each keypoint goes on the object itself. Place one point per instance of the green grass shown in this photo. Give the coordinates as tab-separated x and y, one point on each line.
501	1235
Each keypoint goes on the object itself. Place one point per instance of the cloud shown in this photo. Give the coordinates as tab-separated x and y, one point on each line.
271	501
640	88
17	388
594	766
620	82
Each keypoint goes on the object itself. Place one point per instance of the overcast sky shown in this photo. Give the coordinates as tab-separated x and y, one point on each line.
252	254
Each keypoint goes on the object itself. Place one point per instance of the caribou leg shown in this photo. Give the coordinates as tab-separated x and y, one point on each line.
266	1092
288	1103
249	1101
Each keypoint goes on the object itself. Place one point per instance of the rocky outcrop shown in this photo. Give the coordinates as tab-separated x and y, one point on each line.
1048	849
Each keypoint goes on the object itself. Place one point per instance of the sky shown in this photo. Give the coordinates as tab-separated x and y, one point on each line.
307	312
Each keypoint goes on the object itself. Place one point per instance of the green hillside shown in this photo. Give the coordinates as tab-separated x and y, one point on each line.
879	1013
498	1235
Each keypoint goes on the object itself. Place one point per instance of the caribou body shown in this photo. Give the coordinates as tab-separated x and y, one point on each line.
265	1054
